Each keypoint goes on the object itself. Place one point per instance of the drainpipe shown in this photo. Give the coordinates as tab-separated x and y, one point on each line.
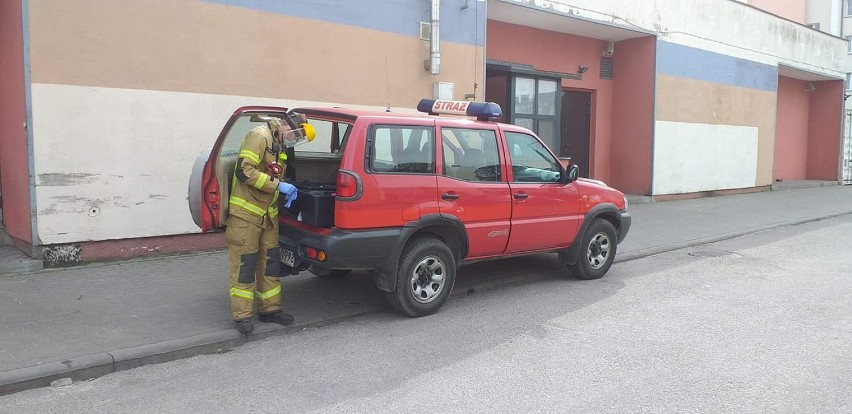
35	252
435	40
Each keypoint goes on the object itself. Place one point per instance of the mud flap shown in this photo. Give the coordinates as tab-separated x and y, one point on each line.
285	270
385	281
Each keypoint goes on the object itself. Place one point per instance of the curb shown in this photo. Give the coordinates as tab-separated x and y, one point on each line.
78	369
96	365
640	254
212	343
92	366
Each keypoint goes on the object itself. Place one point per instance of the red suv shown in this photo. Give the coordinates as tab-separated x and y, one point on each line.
413	196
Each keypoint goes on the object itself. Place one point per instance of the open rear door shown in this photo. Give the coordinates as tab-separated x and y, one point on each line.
210	181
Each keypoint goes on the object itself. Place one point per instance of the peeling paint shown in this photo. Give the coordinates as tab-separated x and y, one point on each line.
62	254
141	250
69	199
65	179
157	196
67	204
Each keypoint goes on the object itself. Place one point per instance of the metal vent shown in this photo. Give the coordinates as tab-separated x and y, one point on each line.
606	68
425	30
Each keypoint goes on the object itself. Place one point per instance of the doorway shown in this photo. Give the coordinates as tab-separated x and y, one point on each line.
529	99
576	128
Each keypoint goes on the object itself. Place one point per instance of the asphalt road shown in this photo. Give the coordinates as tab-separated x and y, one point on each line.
761	323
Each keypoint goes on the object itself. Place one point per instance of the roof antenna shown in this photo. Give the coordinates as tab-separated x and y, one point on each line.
387	81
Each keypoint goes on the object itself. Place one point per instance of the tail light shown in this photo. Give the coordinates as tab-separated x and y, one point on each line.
348	185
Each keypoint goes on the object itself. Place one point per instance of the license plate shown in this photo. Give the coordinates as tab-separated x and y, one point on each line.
288	258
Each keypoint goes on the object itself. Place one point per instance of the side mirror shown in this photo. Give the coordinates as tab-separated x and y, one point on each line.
573	173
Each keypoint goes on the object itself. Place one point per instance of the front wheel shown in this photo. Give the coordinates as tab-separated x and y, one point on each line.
424	278
597	251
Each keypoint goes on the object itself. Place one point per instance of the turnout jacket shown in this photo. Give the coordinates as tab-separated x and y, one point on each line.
254	192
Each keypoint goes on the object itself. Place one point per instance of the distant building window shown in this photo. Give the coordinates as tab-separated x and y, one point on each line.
848	8
848	44
849	81
813	25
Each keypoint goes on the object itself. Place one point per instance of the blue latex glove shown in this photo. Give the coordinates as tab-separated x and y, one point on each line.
288	190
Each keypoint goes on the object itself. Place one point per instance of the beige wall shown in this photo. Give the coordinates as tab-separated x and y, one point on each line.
686	100
193	46
795	10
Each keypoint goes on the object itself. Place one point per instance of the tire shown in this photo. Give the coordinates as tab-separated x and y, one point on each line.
597	251
424	277
329	274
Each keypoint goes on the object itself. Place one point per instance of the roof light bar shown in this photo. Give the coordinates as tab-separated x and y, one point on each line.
483	111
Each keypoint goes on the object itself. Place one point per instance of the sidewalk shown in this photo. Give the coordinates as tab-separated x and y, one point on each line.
88	321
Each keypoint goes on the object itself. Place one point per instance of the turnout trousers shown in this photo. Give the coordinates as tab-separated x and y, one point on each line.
254	265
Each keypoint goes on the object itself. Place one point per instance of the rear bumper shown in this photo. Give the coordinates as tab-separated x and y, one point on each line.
626	220
367	249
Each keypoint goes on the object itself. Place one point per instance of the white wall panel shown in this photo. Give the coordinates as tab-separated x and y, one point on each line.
691	157
105	170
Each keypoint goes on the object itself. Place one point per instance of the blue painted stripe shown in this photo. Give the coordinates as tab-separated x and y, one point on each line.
687	62
395	16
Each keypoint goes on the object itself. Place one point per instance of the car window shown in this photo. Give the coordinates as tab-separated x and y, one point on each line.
531	161
329	138
402	149
326	141
471	154
237	134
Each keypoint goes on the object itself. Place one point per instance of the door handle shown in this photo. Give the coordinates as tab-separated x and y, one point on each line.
450	196
521	196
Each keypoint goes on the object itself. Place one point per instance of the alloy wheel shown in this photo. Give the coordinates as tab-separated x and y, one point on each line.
597	252
427	279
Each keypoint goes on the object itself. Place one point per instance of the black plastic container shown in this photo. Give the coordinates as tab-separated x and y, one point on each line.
315	203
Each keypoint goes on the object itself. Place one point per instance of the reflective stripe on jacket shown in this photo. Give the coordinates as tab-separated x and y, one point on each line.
254	192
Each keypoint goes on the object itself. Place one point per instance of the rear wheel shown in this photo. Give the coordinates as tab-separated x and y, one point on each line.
424	278
597	251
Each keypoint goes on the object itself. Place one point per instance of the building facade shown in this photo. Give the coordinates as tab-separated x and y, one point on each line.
107	103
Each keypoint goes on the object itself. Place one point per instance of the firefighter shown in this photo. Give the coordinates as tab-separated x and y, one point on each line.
252	226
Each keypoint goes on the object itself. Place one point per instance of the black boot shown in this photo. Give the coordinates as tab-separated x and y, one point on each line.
245	325
279	317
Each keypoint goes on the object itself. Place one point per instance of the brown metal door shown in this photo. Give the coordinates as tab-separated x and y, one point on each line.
576	123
